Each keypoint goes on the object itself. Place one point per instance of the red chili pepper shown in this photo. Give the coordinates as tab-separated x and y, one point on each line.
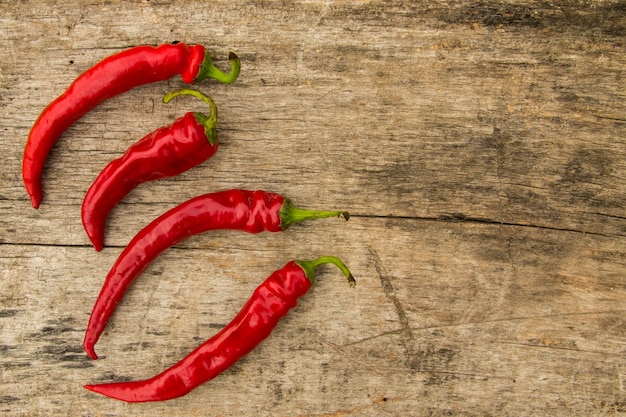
110	77
166	152
250	211
269	303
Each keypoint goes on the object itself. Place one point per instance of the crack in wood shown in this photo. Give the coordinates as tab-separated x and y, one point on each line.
413	358
390	292
462	218
572	349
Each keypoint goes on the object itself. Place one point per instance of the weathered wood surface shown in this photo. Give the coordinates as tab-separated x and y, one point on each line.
479	145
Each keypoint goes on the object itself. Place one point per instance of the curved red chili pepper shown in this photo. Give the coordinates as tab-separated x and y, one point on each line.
166	152
269	303
108	78
249	211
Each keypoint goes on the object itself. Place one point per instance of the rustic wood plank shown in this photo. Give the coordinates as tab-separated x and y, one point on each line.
480	147
428	327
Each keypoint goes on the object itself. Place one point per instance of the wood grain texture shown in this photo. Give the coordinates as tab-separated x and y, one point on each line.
479	145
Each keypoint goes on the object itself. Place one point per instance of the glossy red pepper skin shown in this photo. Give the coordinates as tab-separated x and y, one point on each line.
166	152
259	316
110	77
249	211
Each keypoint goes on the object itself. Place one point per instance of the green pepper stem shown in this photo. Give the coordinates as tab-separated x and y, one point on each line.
290	214
309	267
209	122
208	70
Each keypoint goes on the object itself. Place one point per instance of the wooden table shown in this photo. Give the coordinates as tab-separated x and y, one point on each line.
479	146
